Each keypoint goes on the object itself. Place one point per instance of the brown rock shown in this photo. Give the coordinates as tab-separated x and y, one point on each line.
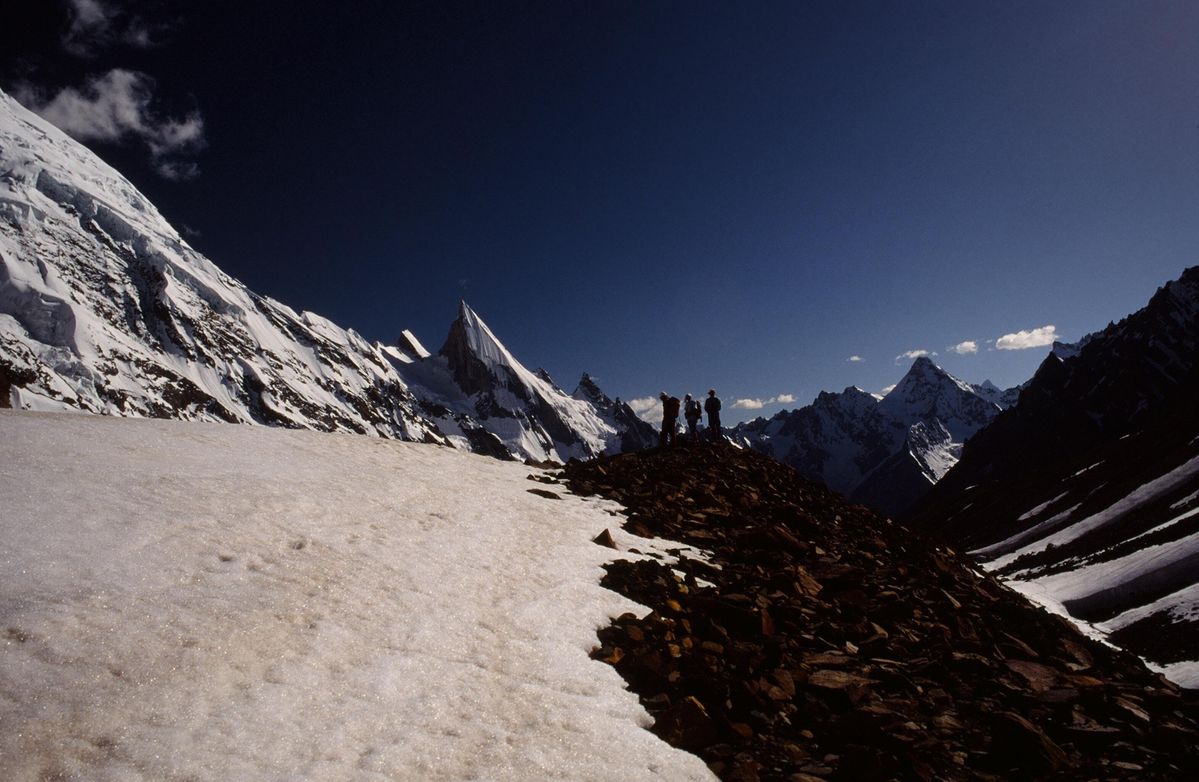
686	725
1040	677
604	539
847	688
1019	744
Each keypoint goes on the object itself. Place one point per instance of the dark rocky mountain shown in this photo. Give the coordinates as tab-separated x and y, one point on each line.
1085	493
885	452
804	638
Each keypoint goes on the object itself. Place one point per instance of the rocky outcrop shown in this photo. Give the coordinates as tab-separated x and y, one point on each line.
818	640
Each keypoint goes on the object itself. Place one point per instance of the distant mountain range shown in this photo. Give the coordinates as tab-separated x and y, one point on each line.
884	452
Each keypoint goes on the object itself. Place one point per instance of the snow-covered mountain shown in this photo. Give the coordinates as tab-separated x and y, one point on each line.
1085	493
1003	398
635	433
881	452
105	308
835	440
483	399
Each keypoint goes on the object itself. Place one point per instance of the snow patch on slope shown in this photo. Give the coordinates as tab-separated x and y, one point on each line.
257	603
1146	493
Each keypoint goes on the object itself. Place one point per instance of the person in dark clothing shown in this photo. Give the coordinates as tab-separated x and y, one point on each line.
670	418
692	412
712	408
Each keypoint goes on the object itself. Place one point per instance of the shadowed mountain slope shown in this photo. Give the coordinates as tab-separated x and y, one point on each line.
1087	490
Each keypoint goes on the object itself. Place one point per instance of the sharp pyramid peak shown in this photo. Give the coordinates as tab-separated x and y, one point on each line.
926	373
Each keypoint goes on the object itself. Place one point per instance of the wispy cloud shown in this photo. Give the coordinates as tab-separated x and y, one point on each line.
911	354
964	348
1033	338
97	25
854	359
118	107
90	28
758	404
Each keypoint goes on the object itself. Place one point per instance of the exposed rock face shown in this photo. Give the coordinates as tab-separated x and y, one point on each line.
821	641
885	452
1088	487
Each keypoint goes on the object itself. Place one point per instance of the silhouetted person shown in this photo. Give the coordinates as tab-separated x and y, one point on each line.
712	408
670	418
692	412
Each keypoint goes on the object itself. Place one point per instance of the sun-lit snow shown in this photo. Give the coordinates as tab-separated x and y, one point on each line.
105	308
530	415
208	601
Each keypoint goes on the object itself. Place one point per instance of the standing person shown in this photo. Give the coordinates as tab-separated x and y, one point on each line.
712	407
670	418
691	412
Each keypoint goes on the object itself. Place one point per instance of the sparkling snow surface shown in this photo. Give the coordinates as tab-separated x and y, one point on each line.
207	601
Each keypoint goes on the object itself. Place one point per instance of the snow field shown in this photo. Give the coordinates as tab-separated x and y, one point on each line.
206	601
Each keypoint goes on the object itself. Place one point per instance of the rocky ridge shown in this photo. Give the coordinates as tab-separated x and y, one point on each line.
822	641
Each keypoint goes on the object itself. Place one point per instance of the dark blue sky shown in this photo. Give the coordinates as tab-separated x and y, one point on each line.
678	195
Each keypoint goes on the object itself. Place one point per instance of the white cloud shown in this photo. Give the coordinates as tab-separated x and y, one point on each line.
646	407
116	107
855	359
1035	338
921	352
758	404
963	348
